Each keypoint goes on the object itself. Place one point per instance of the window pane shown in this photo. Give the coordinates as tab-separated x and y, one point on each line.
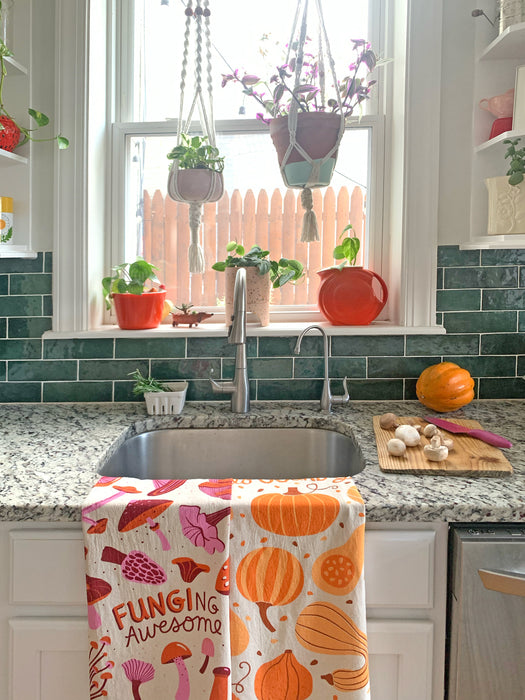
237	29
256	209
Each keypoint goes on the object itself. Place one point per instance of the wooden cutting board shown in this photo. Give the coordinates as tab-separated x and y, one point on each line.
470	456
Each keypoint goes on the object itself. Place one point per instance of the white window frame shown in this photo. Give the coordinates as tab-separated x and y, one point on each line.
408	252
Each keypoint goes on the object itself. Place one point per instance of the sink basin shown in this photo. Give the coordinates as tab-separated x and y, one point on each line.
251	453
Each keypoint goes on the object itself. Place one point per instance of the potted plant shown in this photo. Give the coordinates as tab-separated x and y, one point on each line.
138	305
320	114
506	193
12	133
261	274
161	398
350	295
196	172
187	317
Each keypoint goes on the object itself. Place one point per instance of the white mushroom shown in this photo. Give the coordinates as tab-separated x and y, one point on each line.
430	430
388	420
396	447
435	452
448	442
408	434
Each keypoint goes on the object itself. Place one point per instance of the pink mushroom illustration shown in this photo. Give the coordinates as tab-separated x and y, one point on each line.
99	526
219	488
177	652
144	512
200	528
136	566
138	672
163	486
97	589
208	649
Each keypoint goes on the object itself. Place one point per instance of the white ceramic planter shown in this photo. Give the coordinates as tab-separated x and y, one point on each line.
506	206
257	294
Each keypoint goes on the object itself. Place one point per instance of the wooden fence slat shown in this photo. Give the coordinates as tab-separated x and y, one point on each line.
183	242
223	236
261	221
158	233
146	230
170	233
314	261
301	253
236	217
211	254
248	237
343	209
275	242
288	241
356	219
329	235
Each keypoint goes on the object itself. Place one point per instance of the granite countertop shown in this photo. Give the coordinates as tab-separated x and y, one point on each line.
50	453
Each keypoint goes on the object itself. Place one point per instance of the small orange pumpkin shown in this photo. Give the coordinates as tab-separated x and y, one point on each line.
294	513
445	387
283	678
269	576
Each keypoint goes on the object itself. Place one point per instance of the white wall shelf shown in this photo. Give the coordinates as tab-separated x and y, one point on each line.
16	169
494	74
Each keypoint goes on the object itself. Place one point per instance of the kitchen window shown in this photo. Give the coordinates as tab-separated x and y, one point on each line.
91	195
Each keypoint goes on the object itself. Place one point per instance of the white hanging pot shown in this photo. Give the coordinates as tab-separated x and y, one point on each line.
199	185
506	206
317	133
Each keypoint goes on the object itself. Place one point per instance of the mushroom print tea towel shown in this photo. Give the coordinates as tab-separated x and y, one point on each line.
297	601
157	585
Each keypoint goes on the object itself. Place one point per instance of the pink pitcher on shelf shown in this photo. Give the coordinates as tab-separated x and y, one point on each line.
501	105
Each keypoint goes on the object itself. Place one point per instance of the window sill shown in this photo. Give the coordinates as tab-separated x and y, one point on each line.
210	330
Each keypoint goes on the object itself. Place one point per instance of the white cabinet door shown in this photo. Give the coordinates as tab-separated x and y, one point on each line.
400	659
49	659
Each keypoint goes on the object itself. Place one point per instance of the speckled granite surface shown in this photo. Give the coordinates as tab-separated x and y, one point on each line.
50	453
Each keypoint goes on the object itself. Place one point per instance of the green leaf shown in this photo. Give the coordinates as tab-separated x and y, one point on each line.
121	286
135	287
239	249
63	143
219	266
40	118
140	271
339	253
516	178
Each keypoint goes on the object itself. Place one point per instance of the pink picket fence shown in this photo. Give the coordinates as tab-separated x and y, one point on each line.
272	222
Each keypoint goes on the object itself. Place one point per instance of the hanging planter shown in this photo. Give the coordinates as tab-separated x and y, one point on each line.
318	134
196	172
309	109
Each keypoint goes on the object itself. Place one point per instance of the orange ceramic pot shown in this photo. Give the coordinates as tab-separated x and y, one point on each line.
351	296
139	311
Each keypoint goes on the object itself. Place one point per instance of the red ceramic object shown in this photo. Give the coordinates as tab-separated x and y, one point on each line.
9	135
139	311
499	126
351	296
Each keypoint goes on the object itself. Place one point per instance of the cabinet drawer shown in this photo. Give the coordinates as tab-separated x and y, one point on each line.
47	567
399	568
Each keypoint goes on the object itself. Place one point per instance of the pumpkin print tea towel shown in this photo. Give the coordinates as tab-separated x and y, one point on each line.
157	588
297	603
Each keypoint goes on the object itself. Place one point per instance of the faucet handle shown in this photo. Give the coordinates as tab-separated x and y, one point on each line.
345	397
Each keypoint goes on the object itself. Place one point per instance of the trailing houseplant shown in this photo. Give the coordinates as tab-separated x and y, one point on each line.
350	295
261	274
195	153
12	133
506	194
196	171
137	294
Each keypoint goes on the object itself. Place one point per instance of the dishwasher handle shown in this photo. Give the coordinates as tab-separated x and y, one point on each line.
508	582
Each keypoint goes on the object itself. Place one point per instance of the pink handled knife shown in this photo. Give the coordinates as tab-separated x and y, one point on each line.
485	435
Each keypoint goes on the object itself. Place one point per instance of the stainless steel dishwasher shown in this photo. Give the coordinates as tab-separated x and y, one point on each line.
487	613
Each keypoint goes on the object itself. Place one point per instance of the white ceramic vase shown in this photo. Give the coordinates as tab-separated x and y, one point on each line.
506	206
257	294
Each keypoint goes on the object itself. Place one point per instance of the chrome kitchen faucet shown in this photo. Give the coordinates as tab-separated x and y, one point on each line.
326	397
239	388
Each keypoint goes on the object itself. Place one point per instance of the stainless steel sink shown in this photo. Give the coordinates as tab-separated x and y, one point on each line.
256	453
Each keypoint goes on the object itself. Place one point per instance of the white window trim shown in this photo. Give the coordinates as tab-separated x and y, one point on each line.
82	181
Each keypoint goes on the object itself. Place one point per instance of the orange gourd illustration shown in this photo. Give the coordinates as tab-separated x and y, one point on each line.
269	576
239	635
353	493
293	513
347	680
338	570
283	678
326	629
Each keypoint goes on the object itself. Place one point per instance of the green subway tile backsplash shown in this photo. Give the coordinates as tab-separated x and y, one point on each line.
480	300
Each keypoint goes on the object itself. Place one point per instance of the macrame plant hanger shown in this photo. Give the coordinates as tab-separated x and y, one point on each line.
309	231
216	182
